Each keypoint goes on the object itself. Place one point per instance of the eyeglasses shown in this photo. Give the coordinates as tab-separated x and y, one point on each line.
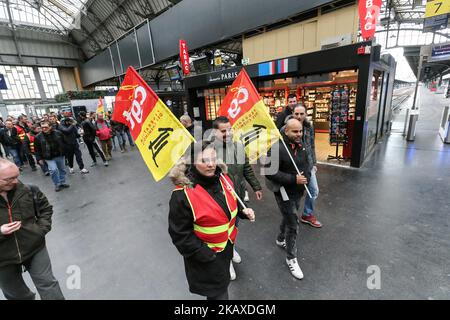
9	180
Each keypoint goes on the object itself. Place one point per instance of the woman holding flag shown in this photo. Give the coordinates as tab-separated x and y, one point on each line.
203	210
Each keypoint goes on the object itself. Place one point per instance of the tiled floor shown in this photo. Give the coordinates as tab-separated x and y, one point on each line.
324	149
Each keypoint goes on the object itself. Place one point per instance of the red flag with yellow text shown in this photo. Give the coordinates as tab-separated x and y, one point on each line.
249	118
159	135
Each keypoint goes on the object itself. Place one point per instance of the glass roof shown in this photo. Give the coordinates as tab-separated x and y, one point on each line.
59	16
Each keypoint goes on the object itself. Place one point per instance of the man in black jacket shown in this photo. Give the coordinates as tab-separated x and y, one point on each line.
49	148
281	117
288	187
71	146
12	143
25	219
89	134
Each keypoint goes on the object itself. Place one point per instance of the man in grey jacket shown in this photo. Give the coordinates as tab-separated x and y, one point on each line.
239	169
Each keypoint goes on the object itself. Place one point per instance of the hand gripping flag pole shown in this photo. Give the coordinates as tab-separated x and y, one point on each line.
233	191
296	168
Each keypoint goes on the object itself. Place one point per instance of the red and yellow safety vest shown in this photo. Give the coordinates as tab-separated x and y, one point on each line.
211	224
21	133
31	138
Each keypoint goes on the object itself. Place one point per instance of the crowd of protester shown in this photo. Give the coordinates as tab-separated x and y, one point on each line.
53	141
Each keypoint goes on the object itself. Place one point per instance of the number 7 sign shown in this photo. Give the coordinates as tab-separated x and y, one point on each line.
437	7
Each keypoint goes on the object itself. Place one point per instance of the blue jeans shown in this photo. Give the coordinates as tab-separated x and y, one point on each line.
121	137
314	190
56	167
15	154
130	138
44	167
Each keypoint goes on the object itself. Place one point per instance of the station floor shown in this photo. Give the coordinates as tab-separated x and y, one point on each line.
393	214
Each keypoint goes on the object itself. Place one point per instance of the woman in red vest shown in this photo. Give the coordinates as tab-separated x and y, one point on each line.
202	215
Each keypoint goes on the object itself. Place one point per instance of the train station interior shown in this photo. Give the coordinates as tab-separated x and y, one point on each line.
379	106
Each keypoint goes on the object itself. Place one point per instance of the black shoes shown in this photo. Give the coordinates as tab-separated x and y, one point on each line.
61	186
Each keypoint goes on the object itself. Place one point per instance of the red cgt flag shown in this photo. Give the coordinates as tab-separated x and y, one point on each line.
159	135
134	102
249	117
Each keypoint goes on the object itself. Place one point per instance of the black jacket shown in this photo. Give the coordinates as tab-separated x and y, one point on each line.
89	130
30	238
10	138
281	117
70	133
285	173
117	127
49	146
207	272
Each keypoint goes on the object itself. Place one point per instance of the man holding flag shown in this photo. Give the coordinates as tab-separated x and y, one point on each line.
232	153
256	130
288	187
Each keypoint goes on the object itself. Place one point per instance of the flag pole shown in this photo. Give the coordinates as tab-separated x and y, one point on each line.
234	192
295	165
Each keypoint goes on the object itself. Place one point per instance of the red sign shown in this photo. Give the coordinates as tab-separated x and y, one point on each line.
184	57
362	50
369	10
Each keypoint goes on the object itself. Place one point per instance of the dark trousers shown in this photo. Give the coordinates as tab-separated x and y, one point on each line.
25	154
91	145
74	150
289	223
40	269
222	296
44	167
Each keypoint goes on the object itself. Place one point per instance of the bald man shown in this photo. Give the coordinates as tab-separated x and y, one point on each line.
25	219
288	188
186	121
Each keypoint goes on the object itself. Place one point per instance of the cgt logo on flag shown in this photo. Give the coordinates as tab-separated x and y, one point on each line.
249	117
159	136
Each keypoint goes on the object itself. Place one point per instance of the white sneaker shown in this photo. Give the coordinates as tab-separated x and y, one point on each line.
232	272
236	256
246	198
295	268
84	171
71	170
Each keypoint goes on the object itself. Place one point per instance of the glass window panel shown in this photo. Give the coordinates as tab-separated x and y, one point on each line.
20	83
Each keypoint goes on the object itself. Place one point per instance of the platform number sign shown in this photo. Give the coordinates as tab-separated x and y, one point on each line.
437	7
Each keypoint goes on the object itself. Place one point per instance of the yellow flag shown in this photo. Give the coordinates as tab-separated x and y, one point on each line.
100	106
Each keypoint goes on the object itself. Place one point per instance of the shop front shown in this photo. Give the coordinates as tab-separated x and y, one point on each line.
347	92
